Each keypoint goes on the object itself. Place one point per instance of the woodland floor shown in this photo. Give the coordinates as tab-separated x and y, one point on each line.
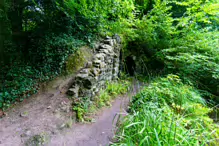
48	113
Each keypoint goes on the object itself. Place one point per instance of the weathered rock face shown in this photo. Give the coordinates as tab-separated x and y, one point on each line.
103	67
77	60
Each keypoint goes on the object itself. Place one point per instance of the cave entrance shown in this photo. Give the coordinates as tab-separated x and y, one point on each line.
130	65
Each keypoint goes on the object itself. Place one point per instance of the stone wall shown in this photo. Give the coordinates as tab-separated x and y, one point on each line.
103	67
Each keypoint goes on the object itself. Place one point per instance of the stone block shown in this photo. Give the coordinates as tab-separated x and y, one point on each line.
100	56
81	76
89	64
73	91
103	67
117	38
85	71
109	42
106	46
105	51
88	82
95	72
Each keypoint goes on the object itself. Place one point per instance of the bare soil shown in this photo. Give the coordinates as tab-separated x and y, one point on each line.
99	133
49	113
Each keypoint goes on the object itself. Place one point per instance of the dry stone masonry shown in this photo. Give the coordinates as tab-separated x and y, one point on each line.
104	67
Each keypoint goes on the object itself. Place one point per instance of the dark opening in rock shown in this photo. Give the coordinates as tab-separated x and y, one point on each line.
130	65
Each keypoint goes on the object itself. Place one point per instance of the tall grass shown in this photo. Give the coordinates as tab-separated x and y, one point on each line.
167	113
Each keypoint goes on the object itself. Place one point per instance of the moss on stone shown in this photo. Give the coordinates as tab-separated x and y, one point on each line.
78	60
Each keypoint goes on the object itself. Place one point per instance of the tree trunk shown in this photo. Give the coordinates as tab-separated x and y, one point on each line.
16	18
4	30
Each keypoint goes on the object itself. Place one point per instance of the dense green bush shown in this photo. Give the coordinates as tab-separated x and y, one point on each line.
196	58
22	79
100	17
155	29
183	40
54	50
168	112
193	52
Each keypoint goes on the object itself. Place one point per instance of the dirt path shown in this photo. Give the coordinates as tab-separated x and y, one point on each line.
95	134
48	114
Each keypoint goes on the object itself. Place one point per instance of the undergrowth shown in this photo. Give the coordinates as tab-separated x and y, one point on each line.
86	106
165	113
21	80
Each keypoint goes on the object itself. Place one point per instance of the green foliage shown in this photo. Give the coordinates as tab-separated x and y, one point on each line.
168	90
42	34
35	41
21	80
192	52
155	29
38	36
195	57
168	112
4	29
54	50
101	16
81	107
182	36
113	89
117	88
199	13
143	5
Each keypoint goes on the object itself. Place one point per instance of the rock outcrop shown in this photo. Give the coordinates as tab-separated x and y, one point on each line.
103	67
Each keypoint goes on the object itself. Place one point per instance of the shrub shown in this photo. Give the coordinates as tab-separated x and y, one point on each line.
168	112
156	28
195	57
101	17
21	80
54	50
19	83
184	39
